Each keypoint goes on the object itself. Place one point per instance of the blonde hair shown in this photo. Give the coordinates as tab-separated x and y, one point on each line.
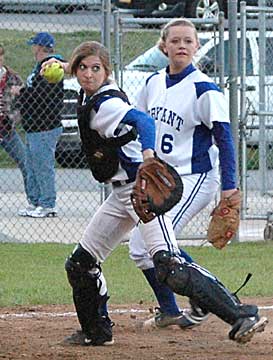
174	22
2	51
90	48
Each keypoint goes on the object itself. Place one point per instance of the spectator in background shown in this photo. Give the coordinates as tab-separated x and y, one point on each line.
10	141
41	109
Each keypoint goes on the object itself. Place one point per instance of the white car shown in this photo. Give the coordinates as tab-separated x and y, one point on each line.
68	150
137	71
207	57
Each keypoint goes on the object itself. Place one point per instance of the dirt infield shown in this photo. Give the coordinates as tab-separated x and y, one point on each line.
36	333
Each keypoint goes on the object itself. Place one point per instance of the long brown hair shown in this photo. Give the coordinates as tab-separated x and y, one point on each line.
90	48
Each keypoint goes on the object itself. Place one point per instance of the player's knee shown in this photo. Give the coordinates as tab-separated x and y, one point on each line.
172	272
78	266
165	265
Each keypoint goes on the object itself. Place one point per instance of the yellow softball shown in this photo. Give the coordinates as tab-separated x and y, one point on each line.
53	73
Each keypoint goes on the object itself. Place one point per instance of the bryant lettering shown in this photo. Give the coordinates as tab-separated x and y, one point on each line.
167	116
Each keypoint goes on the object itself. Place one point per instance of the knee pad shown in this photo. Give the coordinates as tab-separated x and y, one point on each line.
82	258
170	270
80	267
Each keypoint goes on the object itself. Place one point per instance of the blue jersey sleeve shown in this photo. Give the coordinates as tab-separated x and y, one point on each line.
223	137
145	126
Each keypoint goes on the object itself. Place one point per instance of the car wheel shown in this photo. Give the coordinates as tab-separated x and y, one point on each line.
268	232
204	9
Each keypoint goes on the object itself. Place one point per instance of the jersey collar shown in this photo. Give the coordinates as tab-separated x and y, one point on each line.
172	79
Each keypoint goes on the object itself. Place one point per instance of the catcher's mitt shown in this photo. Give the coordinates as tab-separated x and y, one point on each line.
225	220
158	188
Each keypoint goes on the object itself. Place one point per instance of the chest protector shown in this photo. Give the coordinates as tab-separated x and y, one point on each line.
101	154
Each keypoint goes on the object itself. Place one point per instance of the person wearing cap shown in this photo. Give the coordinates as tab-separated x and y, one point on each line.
10	140
41	109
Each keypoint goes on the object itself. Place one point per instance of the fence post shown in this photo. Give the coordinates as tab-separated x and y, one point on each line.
262	118
106	33
117	56
243	115
233	79
221	27
106	28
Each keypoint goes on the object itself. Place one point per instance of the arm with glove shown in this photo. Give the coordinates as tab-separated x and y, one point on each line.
225	220
158	186
225	217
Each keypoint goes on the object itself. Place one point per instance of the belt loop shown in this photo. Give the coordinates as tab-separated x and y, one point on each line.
122	182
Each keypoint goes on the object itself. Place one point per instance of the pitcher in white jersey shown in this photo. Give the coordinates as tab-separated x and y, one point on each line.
193	134
104	111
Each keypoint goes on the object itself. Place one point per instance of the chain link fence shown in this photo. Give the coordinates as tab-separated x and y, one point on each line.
78	195
256	124
134	56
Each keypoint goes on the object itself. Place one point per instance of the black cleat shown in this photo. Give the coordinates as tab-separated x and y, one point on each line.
80	339
245	328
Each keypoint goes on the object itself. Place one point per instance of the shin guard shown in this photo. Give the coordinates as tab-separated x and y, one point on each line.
85	278
201	287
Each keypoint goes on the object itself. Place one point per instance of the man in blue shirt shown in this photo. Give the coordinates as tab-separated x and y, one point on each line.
41	108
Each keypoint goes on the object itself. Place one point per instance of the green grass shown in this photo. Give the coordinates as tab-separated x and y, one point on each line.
18	54
32	274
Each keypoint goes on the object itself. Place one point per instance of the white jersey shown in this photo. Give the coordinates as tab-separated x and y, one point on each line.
184	107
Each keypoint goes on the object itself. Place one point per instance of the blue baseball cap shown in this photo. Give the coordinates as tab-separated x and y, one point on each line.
42	39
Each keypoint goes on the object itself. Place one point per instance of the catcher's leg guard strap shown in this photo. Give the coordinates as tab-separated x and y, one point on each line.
84	276
200	286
